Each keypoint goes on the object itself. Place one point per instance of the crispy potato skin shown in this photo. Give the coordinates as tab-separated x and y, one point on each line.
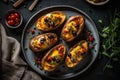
76	54
73	27
42	42
50	21
47	60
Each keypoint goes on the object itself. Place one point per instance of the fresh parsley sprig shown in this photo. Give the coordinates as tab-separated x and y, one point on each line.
111	44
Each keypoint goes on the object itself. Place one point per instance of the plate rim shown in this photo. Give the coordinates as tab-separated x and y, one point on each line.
60	6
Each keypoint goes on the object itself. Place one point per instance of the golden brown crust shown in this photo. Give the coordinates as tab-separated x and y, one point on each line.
42	42
48	22
73	27
76	54
48	62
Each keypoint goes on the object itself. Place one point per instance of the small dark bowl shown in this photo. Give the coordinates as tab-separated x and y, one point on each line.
8	14
98	3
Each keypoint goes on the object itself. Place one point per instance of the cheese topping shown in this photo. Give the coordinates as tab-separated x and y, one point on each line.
76	54
50	21
54	57
72	27
43	41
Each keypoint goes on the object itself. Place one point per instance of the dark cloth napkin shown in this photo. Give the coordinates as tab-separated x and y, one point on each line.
13	67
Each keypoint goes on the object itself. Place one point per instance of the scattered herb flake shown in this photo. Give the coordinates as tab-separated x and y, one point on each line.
31	37
24	6
104	35
109	66
100	21
35	63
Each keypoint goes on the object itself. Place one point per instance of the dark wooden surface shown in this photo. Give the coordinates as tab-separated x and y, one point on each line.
95	72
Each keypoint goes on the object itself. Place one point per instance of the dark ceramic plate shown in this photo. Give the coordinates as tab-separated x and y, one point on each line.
62	72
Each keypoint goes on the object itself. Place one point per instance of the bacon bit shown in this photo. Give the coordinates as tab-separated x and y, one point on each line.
91	39
66	31
51	41
50	58
32	31
40	44
78	52
60	54
36	58
39	62
60	48
83	49
67	60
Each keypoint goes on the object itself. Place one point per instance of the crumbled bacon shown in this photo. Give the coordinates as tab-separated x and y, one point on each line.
91	38
32	31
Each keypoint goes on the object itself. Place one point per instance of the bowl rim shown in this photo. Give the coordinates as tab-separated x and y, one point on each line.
99	3
11	11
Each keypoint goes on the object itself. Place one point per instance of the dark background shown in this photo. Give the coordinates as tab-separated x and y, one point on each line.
95	72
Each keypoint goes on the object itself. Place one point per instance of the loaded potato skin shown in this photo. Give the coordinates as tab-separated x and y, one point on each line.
73	27
43	42
53	58
51	21
76	54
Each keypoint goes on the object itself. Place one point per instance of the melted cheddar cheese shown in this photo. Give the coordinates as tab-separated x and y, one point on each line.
76	54
53	58
72	28
43	41
50	21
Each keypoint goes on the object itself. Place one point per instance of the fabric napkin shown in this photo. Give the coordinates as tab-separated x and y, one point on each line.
12	65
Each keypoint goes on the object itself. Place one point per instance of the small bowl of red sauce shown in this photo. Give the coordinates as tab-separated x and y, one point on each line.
13	19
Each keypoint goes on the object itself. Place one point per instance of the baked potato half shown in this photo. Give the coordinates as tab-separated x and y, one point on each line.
53	58
50	21
76	54
73	27
43	42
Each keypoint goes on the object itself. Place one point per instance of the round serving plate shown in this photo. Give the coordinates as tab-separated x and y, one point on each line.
62	71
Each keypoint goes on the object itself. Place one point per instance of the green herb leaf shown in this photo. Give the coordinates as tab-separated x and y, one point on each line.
104	47
115	59
105	29
71	29
109	66
110	45
52	63
106	54
100	21
104	35
55	20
